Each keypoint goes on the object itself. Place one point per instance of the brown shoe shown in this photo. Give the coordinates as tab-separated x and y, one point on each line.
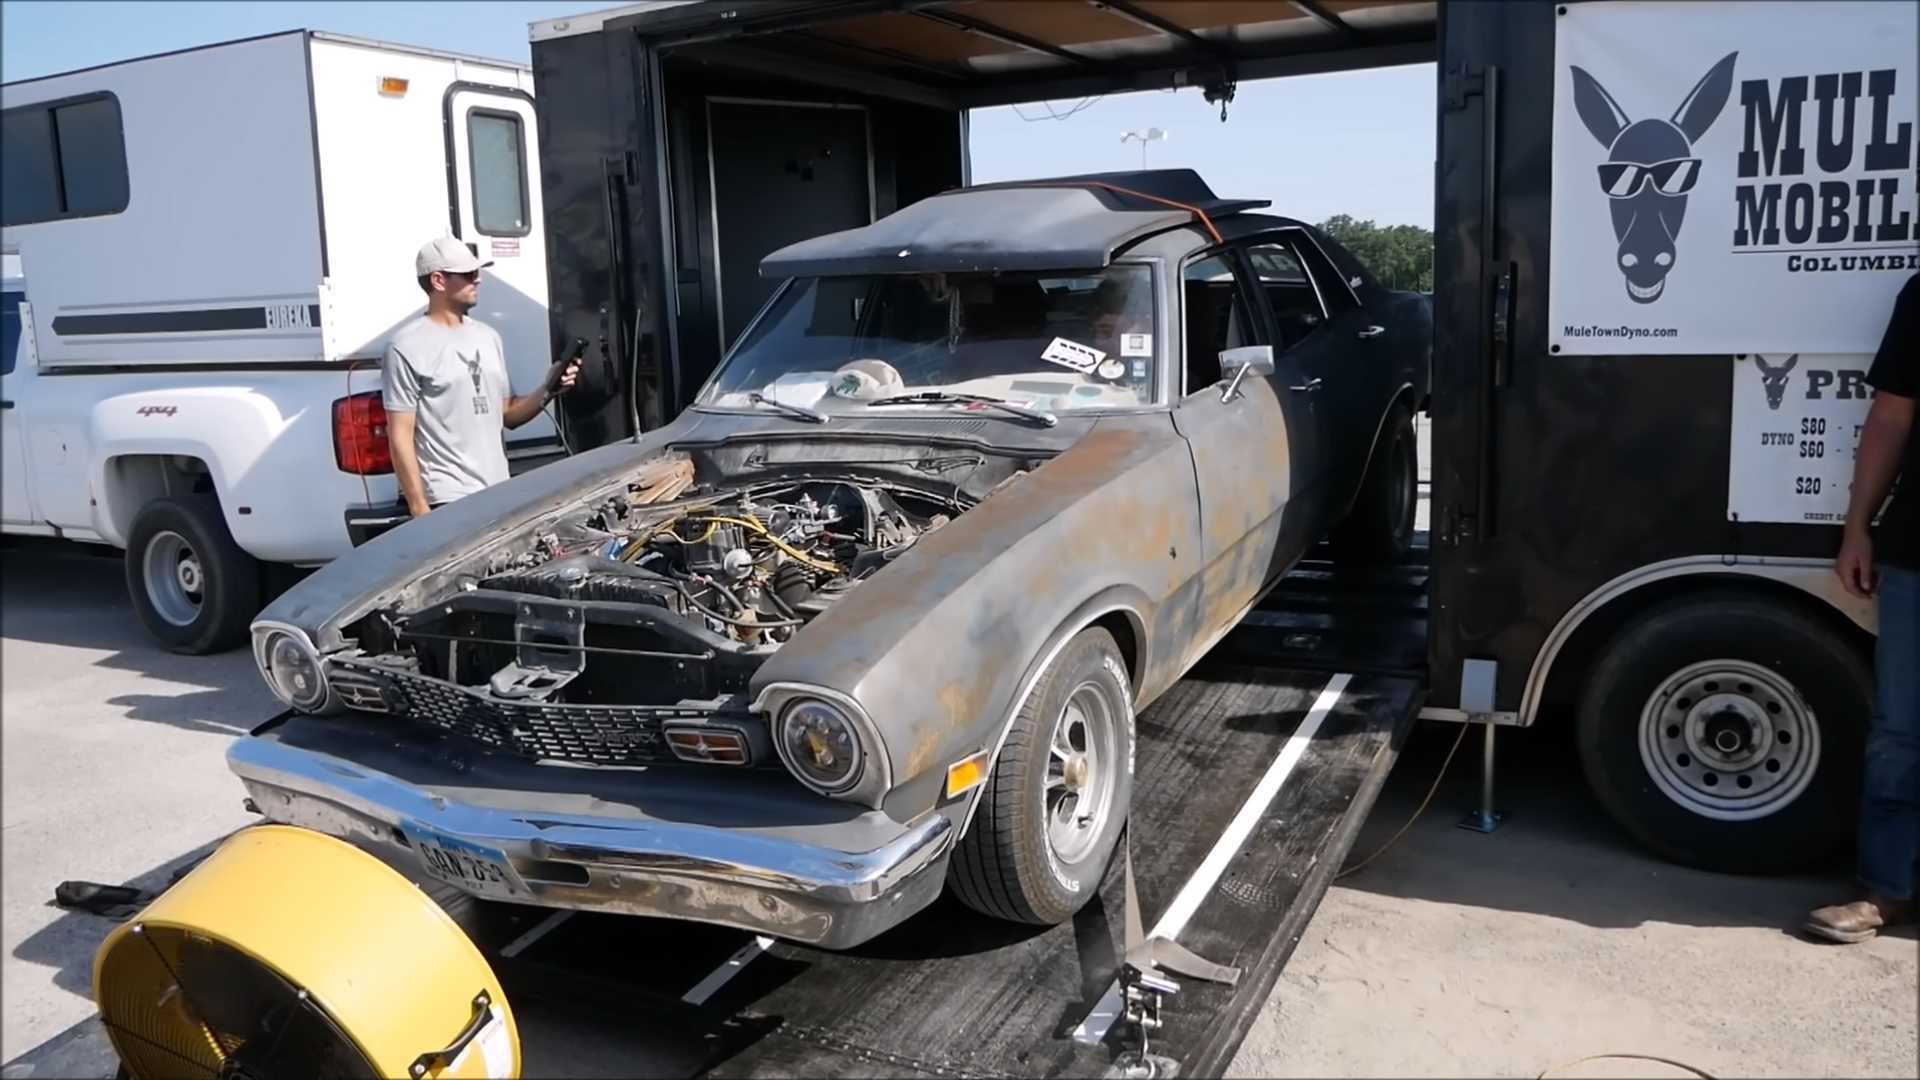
1852	923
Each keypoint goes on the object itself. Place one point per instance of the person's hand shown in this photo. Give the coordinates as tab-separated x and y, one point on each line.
1855	563
562	376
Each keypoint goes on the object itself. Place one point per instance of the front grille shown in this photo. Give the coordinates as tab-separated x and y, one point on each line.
596	734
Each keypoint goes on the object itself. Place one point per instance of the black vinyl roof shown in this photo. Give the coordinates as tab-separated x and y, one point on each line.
1061	223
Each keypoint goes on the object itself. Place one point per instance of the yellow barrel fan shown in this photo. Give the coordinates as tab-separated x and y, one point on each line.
290	954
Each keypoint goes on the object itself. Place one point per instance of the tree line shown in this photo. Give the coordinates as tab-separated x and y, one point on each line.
1401	256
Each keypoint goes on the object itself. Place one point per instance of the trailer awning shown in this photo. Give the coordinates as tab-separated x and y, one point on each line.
972	53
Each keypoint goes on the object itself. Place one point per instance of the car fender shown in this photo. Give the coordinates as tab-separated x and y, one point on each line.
227	429
1122	600
937	648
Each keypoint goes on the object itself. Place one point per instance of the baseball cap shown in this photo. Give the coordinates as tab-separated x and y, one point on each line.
447	255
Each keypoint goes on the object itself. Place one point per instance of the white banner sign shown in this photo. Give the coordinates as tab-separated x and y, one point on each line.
1731	176
1796	421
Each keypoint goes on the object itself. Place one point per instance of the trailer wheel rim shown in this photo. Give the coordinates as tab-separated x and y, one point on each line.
175	579
1729	740
1082	767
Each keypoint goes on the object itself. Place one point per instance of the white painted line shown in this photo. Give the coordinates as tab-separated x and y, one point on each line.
1107	1012
723	974
519	945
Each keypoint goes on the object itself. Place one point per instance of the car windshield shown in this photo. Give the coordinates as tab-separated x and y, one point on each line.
1049	341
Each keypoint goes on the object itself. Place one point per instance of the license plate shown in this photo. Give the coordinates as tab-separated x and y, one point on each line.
477	868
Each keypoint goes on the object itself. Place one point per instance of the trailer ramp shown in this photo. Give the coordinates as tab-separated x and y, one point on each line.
1251	785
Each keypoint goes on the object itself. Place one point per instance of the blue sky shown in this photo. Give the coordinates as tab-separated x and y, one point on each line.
1356	142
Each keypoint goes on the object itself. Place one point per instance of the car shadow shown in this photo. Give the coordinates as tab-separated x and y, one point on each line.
69	596
1556	852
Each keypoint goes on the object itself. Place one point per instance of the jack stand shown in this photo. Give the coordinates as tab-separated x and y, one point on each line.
1486	818
1141	992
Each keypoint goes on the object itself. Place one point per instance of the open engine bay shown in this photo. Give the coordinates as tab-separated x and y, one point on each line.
575	640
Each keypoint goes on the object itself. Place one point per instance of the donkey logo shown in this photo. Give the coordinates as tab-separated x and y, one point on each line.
1774	379
1649	170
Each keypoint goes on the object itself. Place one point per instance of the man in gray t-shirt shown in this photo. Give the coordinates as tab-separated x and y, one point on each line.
444	384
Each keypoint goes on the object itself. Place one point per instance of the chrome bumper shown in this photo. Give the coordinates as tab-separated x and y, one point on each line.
669	869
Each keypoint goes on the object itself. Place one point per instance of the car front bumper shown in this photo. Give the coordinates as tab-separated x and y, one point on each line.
780	886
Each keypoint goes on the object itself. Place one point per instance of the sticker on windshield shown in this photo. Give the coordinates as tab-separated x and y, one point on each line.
1136	344
1072	354
1111	370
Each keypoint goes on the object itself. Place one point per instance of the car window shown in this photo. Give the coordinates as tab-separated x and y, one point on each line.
1289	291
1055	340
1335	293
1217	318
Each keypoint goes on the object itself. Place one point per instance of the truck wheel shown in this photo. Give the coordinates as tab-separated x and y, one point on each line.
1725	732
1057	799
194	588
1379	528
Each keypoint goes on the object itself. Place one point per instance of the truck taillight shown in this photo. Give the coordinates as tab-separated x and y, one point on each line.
360	435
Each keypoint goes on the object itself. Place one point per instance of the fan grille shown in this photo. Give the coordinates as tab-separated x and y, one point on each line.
179	1004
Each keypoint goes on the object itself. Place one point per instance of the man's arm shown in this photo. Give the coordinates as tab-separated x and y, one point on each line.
525	407
406	462
1883	440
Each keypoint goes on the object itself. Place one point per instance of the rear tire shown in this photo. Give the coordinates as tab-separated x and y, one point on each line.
1027	857
1726	731
1379	528
192	586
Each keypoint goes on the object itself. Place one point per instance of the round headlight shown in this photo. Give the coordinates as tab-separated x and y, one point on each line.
820	745
293	673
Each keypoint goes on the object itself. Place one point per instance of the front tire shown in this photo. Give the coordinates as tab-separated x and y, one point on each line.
192	586
1056	802
1725	732
1379	528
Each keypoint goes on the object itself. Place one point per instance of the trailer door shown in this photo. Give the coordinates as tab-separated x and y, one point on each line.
496	209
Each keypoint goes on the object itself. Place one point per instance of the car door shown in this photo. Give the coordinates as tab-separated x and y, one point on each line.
498	212
1252	451
1322	326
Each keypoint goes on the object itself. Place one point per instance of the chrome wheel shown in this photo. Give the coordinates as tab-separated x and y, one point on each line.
176	583
1729	740
1083	762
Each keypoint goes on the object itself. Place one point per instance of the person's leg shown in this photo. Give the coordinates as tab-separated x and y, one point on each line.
1890	790
1890	797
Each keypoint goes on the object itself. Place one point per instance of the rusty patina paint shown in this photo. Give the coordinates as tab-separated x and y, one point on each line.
935	647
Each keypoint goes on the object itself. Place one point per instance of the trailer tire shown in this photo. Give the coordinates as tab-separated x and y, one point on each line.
192	586
1023	860
1379	528
1725	731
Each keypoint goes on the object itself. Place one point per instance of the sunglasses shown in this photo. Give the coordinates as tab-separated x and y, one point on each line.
1624	179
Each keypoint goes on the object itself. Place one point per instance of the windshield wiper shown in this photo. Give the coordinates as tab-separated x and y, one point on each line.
942	397
801	411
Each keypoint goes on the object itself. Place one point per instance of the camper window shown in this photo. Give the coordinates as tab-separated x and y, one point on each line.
63	159
499	166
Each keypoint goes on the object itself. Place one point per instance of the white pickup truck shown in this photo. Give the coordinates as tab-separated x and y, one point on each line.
204	255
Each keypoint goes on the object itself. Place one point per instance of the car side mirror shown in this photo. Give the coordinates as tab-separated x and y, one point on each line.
1246	360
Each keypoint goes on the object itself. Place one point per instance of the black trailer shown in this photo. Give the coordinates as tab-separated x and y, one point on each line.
1585	568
